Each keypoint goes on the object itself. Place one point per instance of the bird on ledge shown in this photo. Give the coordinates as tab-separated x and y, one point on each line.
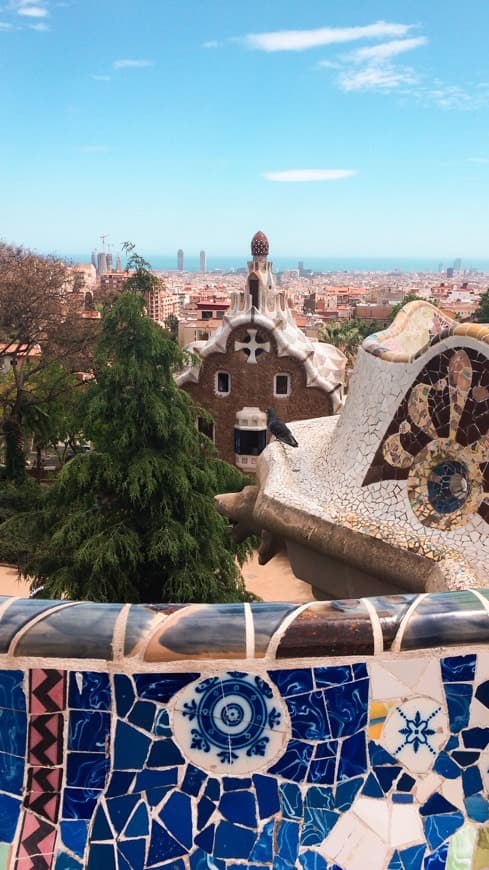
279	429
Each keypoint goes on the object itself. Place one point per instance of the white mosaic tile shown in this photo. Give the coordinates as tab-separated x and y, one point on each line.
414	732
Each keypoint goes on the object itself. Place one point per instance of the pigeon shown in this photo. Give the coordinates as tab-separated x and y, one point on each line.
279	429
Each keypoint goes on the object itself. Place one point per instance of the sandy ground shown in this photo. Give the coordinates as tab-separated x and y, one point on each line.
272	582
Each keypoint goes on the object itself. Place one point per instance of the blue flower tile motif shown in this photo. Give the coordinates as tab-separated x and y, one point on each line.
414	732
230	724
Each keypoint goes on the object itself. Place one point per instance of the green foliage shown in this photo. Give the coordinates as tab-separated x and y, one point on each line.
134	519
410	297
16	504
347	336
481	314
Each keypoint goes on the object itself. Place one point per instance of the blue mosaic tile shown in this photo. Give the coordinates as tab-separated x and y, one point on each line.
233	841
465	759
133	851
74	836
239	807
9	814
89	690
406	782
66	862
193	780
402	798
213	789
161	687
163	846
87	770
453	743
471	780
412	858
386	776
235	783
312	861
320	796
446	767
146	780
353	757
379	755
120	808
101	829
372	787
205	840
308	716
199	860
318	823
11	690
162	724
11	773
294	762
267	795
176	815
79	803
120	783
482	693
124	694
13	731
335	675
476	738
263	849
102	856
138	825
436	804
88	731
165	753
437	860
291	801
130	747
459	697
143	714
438	828
395	862
347	707
456	669
292	682
205	808
477	807
346	793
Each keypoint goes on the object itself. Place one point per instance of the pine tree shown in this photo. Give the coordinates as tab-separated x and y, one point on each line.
134	519
481	314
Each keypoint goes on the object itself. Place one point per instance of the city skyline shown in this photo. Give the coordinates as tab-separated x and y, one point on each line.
356	130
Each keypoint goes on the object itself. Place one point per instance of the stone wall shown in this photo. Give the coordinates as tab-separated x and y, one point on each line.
347	734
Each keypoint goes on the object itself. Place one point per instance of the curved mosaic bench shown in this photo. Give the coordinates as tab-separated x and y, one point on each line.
343	734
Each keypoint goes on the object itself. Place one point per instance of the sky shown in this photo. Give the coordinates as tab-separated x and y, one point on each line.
339	127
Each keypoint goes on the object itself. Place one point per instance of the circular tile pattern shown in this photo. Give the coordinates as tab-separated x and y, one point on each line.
233	722
445	485
448	486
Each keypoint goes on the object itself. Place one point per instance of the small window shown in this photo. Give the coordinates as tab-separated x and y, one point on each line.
206	426
282	385
223	383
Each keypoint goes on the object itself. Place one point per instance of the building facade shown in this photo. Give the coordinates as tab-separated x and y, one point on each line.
257	359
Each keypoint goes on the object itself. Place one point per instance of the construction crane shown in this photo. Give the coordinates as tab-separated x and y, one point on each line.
103	238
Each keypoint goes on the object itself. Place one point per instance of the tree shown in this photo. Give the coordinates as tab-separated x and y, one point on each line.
410	297
134	519
347	336
43	340
481	314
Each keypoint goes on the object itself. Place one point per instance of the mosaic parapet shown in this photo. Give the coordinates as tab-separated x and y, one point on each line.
397	487
60	630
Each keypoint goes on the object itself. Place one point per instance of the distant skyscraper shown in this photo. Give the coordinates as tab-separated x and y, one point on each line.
101	263
457	265
180	260
203	262
450	272
300	266
94	259
108	261
118	266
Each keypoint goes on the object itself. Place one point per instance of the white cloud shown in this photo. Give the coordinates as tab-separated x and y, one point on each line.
383	77
387	49
5	25
129	63
298	40
211	43
297	175
33	11
101	78
41	27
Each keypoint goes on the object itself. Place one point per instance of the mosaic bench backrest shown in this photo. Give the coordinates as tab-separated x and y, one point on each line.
346	734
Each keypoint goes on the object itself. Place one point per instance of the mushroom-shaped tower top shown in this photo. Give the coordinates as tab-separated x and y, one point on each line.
259	245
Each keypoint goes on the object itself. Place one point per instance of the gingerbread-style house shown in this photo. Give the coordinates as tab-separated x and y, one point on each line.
260	359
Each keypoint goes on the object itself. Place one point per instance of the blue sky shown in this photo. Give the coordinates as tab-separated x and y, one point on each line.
340	127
